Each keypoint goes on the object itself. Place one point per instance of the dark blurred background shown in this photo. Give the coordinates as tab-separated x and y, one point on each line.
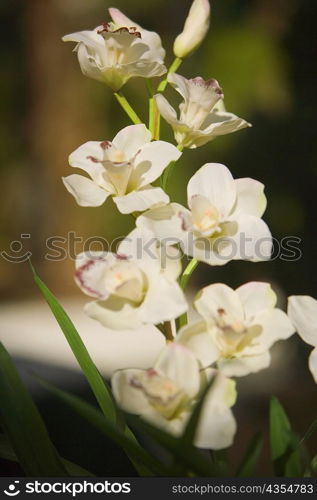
263	53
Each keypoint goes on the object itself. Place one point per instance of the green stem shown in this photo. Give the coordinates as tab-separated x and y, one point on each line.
154	115
167	172
156	122
151	105
172	69
183	320
127	107
162	86
188	272
168	331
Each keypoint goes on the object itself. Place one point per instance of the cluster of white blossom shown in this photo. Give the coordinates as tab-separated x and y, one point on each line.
140	284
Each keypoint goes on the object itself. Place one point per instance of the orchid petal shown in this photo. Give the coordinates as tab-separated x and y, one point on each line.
85	191
177	363
215	182
139	201
302	311
250	197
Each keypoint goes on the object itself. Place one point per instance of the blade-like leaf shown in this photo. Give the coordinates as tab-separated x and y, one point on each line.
285	450
311	430
97	384
75	469
108	428
7	452
221	462
249	462
294	466
314	466
24	425
186	455
99	387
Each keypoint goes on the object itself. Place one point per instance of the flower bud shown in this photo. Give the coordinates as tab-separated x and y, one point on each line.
195	29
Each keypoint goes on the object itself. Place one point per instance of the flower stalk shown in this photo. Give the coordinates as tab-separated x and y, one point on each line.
122	100
168	171
154	114
162	86
172	69
190	268
168	331
188	272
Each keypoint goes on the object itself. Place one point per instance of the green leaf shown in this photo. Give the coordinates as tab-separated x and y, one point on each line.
24	425
7	452
97	384
311	430
75	469
108	428
294	467
285	449
249	462
221	462
314	466
279	430
99	387
186	454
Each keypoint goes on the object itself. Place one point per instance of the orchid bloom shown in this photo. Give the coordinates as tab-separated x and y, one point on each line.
166	394
195	29
302	311
202	113
223	221
115	52
237	329
133	286
123	168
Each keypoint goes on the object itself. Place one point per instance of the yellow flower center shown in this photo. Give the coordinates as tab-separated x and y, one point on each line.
164	395
234	336
118	156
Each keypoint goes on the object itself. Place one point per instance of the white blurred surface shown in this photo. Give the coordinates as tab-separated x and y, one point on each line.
30	331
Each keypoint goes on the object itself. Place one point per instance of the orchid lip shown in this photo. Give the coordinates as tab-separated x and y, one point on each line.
93	159
184	226
120	256
164	403
105	145
107	28
79	277
211	83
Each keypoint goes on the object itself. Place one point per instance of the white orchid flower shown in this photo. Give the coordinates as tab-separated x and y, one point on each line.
114	53
302	311
195	29
223	221
123	168
133	287
202	113
238	327
166	394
